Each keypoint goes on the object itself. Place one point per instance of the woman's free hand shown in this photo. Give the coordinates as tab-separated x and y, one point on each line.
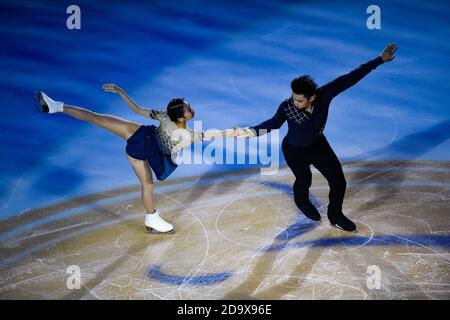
111	87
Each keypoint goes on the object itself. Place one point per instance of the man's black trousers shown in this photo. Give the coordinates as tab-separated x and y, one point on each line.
321	156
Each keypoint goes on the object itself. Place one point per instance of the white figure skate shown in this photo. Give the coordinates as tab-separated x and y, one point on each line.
155	224
47	104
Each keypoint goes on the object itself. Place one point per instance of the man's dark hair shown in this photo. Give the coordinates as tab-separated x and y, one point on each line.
304	85
175	109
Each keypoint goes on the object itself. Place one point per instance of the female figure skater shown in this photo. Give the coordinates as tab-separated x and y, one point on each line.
147	146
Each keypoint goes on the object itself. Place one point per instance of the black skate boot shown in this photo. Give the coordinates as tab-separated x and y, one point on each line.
308	210
342	222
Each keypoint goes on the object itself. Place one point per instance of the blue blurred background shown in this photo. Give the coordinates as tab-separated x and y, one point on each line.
232	61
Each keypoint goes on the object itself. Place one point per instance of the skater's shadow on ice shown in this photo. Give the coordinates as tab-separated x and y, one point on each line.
410	147
287	189
297	277
267	258
264	268
301	224
87	289
206	182
296	229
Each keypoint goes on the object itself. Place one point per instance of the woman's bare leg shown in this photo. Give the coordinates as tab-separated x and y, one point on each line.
116	125
143	172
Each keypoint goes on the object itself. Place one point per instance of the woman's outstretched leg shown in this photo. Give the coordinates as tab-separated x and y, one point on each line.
116	125
152	219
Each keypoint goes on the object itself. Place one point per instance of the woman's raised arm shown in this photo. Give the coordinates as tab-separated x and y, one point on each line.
111	87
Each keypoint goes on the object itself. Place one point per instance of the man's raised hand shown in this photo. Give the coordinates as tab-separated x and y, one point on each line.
388	53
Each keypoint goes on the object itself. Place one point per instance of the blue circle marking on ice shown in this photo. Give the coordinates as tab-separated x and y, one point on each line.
155	273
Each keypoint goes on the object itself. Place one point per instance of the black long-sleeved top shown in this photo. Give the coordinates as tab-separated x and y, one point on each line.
305	128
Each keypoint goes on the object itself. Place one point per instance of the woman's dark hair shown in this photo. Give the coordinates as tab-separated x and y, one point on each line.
304	85
175	109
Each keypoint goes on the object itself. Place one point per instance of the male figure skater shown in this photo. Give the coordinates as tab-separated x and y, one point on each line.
306	112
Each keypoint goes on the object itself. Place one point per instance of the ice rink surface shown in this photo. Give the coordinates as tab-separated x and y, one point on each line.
240	236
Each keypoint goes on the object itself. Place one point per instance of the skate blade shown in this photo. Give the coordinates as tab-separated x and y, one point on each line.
37	102
36	99
153	231
339	228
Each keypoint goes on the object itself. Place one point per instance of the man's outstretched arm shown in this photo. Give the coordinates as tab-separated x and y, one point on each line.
335	87
265	127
